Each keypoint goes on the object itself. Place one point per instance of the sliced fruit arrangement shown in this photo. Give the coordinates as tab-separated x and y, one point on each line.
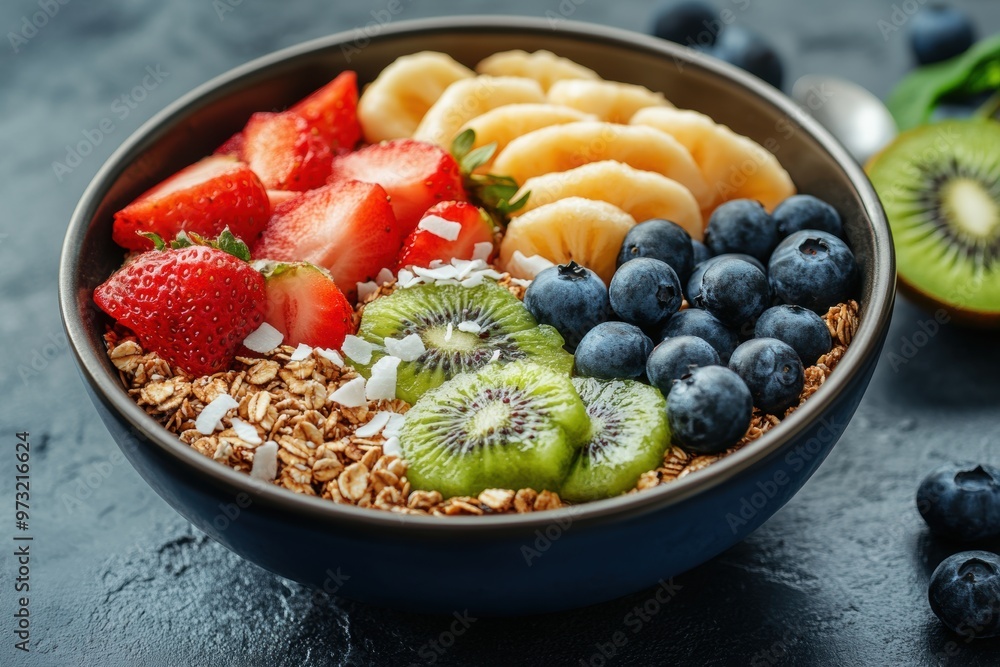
462	329
205	198
305	305
282	149
543	66
939	185
332	112
516	426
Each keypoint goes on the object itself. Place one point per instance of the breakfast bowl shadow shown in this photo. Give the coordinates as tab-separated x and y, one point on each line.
504	564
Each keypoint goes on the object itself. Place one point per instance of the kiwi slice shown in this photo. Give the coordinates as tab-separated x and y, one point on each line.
511	427
940	186
628	435
501	324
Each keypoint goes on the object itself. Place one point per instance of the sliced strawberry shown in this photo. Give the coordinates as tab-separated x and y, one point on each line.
205	198
333	112
193	306
432	238
232	146
416	175
305	305
346	227
285	152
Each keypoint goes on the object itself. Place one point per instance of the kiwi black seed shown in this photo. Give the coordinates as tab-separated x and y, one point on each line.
940	186
506	330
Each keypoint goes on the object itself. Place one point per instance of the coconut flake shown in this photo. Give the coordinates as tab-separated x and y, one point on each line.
374	425
384	276
404	276
441	273
482	250
264	339
365	290
436	264
382	383
520	282
245	432
412	282
448	332
210	416
301	353
357	349
265	462
394	425
465	267
495	356
469	326
331	355
475	280
391	448
527	267
351	394
491	273
438	226
408	349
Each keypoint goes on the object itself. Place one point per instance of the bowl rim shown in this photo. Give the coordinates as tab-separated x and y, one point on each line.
108	386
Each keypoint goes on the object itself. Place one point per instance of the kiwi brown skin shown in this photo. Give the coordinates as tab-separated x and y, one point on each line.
973	319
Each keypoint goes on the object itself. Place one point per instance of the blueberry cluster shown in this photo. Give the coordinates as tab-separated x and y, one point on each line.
755	291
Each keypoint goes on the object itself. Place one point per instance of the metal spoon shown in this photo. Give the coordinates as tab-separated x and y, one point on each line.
856	117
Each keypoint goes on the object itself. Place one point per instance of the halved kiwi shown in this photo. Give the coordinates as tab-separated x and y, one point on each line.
940	186
502	327
509	427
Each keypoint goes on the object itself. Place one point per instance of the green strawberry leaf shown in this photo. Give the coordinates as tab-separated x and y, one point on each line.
490	191
183	240
227	242
477	158
462	144
158	242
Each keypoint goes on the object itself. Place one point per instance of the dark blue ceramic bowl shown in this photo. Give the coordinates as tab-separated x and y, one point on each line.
490	565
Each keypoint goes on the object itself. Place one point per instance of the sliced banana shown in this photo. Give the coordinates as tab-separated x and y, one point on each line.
736	166
393	104
586	231
504	124
609	100
642	194
464	100
543	66
563	147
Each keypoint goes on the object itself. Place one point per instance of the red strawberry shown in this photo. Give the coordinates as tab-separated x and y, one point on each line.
280	196
232	146
285	152
333	112
192	306
423	246
416	175
205	198
347	228
306	306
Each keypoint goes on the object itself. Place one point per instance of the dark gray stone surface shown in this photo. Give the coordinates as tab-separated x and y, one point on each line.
836	577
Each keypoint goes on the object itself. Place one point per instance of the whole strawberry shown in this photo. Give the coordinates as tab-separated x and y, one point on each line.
193	305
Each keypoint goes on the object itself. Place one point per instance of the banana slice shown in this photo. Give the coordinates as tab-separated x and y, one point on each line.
609	100
393	104
736	166
464	100
544	67
642	194
584	230
563	147
504	124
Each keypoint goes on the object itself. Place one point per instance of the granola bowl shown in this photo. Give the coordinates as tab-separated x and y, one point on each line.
507	562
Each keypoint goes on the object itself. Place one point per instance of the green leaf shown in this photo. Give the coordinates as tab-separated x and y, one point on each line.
227	242
915	97
477	158
182	241
158	242
462	144
507	207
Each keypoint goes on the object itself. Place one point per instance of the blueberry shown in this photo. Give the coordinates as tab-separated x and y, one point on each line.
800	212
741	225
709	410
701	252
962	502
569	297
613	350
704	325
675	357
802	329
645	292
750	51
965	593
694	282
662	240
813	269
735	291
772	371
689	23
938	33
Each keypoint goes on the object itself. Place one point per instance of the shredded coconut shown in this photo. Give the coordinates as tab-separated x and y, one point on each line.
357	349
407	349
351	394
265	462
209	418
438	226
264	339
382	383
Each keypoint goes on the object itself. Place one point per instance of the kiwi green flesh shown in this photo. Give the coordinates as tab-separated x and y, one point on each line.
427	310
628	435
513	426
940	186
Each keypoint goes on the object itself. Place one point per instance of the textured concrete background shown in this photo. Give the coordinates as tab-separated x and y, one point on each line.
836	577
